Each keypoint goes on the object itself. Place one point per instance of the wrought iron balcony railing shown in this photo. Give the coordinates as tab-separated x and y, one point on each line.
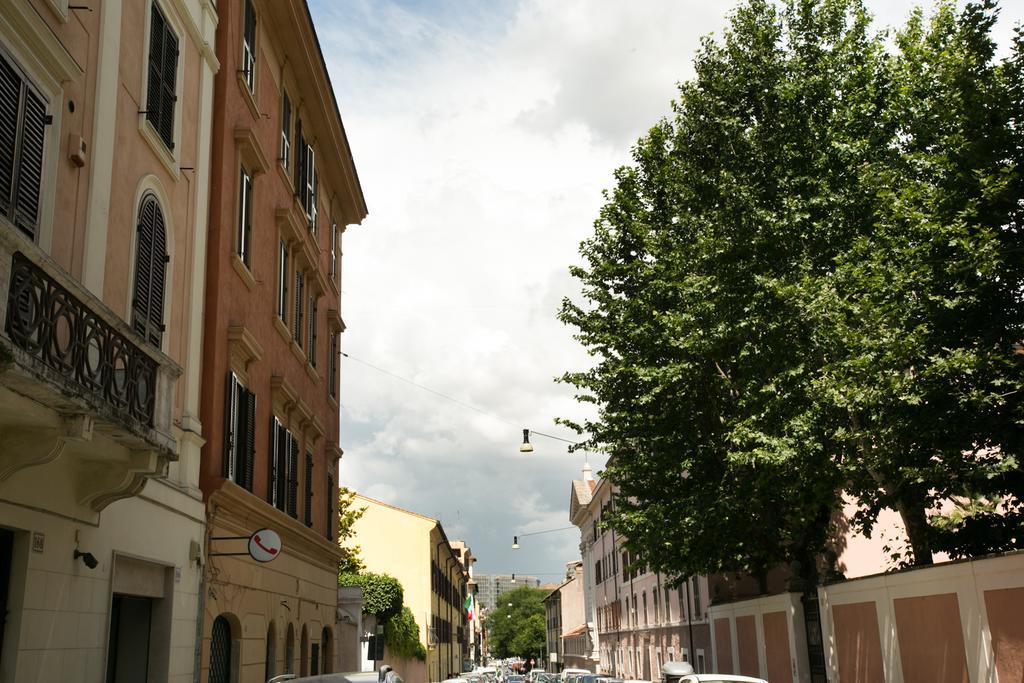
50	324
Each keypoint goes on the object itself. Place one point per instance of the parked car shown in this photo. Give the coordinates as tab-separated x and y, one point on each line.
385	675
566	673
719	678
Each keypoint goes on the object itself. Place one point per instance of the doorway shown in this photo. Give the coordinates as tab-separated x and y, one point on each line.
6	559
128	648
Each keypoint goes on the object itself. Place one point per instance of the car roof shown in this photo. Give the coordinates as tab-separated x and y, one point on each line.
724	677
350	677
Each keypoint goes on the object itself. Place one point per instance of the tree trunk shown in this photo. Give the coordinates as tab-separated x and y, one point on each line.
918	531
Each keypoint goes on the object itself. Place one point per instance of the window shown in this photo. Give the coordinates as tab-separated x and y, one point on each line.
240	433
644	596
696	596
311	333
332	365
163	74
284	469
308	508
331	494
306	182
270	656
282	280
668	607
286	130
244	241
335	254
312	183
23	121
150	267
249	46
220	651
300	282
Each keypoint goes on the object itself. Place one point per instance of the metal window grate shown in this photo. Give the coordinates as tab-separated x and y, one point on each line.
220	651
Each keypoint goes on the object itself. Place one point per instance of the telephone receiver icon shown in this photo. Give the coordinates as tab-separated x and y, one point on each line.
256	540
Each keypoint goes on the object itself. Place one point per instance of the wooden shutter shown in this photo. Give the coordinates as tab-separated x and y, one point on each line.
293	477
309	490
286	130
150	272
248	452
230	426
249	46
30	163
300	161
332	493
10	98
297	323
245	217
311	332
163	75
272	468
311	188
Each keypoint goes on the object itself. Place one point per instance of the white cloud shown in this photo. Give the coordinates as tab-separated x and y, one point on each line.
484	133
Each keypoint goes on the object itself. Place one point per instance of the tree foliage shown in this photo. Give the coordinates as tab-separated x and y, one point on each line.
519	629
348	515
809	280
402	636
382	593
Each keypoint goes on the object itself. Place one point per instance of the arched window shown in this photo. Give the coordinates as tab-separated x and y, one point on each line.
289	651
304	653
326	650
150	269
270	664
220	651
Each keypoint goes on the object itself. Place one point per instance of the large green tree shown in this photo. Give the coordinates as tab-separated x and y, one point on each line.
517	626
733	313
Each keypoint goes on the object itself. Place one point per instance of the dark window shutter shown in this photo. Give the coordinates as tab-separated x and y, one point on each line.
158	274
150	272
10	98
309	490
30	163
249	45
311	332
300	161
230	426
286	130
331	494
297	323
249	450
272	468
163	75
293	477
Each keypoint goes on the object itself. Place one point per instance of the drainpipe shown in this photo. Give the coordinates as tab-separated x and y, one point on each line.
689	621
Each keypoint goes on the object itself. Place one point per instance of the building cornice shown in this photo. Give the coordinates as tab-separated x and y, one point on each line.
235	509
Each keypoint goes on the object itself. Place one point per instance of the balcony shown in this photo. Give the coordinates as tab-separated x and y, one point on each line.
85	404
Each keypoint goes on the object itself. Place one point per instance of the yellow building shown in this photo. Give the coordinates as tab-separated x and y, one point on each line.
434	574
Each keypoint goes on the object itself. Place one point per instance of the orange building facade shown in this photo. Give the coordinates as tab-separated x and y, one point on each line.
283	188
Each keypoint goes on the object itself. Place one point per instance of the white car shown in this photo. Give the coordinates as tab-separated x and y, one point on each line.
719	678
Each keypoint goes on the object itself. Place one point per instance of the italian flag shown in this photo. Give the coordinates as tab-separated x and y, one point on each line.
468	606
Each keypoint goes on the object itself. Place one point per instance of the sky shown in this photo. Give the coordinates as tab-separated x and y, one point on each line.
484	132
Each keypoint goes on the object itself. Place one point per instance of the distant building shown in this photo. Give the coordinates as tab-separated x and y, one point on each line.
493	586
434	573
567	633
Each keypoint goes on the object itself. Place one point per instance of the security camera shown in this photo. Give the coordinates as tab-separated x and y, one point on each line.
90	561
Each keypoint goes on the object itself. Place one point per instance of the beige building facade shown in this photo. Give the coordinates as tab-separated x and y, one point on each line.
104	177
434	573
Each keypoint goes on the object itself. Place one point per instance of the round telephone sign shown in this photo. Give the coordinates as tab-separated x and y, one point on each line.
264	545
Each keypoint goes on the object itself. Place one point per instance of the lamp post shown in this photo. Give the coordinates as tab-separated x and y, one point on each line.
527	447
515	539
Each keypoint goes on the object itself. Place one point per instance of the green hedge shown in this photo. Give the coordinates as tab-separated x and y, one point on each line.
402	636
382	593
